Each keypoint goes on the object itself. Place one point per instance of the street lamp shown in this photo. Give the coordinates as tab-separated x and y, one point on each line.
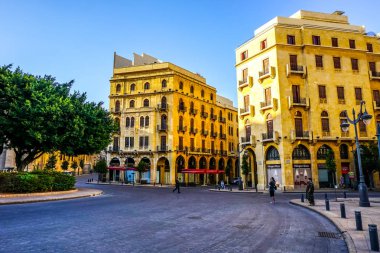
366	118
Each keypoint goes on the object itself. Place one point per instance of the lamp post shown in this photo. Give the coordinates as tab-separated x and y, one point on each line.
366	118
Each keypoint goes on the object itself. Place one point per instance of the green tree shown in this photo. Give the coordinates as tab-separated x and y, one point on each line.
227	172
331	165
370	161
81	164
245	167
142	167
74	166
51	162
39	115
101	168
65	165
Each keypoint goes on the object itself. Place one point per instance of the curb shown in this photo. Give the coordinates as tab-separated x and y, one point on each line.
15	195
252	192
347	238
24	201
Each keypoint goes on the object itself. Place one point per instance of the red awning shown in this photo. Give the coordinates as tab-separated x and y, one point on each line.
120	168
202	171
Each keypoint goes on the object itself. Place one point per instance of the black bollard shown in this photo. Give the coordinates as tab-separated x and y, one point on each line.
358	219
327	205
326	196
374	239
302	198
342	210
344	195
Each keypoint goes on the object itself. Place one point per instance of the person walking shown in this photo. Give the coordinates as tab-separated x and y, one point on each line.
176	185
310	192
272	188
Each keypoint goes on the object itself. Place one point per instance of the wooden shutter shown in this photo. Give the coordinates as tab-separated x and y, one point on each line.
358	94
322	91
340	91
268	96
372	66
126	142
325	125
299	128
293	62
296	94
132	142
270	128
246	103
376	96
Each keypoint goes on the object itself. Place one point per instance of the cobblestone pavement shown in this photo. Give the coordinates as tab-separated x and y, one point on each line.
147	219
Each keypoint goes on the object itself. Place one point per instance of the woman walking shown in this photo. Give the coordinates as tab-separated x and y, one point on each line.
272	188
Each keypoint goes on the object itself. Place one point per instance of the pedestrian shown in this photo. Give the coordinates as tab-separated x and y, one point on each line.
222	184
176	185
272	188
310	192
342	182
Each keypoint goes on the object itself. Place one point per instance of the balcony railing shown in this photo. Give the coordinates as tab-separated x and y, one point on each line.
193	130
182	109
267	136
363	134
244	110
115	149
245	139
182	148
374	75
299	101
222	136
163	107
204	132
345	134
223	152
213	117
264	73
193	111
376	105
162	128
326	133
205	150
204	115
302	134
182	129
214	151
214	134
162	148
266	104
295	69
222	120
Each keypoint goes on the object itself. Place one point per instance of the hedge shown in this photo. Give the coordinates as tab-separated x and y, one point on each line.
36	181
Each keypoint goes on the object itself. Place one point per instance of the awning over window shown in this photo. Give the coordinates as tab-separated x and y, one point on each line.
201	171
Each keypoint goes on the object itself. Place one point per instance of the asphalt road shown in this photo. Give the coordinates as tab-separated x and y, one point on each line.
143	219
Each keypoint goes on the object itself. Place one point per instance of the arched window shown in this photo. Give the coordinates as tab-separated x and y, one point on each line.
343	149
191	106
220	129
163	83
298	124
191	89
272	154
212	129
212	112
141	121
163	103
325	123
118	87
132	104
180	123
147	121
146	102
181	85
221	164
181	104
221	146
132	122
301	153
133	87
202	108
202	93
322	152
269	127
203	126
163	122
247	131
127	122
192	124
117	106
146	86
211	96
220	114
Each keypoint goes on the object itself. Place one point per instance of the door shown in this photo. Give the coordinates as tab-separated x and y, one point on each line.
293	62
163	143
298	125
296	94
270	129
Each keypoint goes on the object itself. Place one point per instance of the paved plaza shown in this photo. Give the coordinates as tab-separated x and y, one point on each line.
147	219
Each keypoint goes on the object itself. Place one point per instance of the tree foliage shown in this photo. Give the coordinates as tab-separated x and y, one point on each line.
65	165
51	162
101	166
39	115
142	167
244	165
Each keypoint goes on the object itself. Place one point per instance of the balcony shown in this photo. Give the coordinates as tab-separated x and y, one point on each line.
376	105
373	75
267	136
213	117
163	107
193	130
205	151
222	136
245	82
182	129
117	110
193	111
162	148
214	151
162	128
214	134
193	149
182	149
300	135
271	72
182	109
271	104
115	149
204	115
222	120
247	111
246	139
295	70
298	102
345	134
326	134
204	132
223	152
363	134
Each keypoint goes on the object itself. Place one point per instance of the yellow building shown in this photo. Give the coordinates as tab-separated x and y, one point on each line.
295	78
171	119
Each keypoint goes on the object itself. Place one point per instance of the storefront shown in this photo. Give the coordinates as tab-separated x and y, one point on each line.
345	174
302	172
274	170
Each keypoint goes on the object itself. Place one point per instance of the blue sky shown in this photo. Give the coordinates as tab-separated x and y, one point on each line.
76	39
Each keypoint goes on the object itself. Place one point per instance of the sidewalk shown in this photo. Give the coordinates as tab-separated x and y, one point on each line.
357	241
6	199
